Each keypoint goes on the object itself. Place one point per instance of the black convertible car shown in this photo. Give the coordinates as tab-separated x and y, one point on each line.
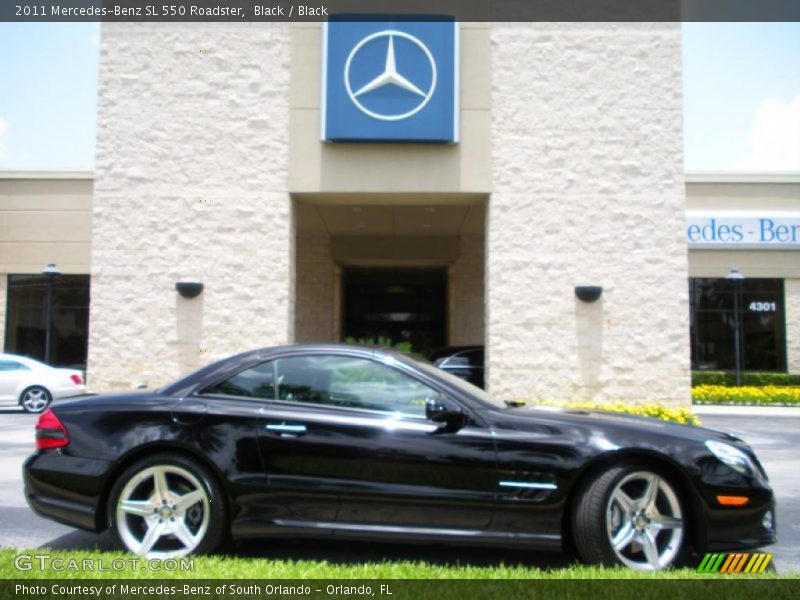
358	442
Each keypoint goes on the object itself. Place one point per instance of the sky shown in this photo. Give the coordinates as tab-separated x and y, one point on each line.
741	94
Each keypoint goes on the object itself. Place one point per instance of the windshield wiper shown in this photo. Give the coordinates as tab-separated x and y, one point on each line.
514	403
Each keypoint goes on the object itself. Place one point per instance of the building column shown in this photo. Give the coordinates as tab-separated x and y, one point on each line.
587	193
3	308
791	290
192	180
315	290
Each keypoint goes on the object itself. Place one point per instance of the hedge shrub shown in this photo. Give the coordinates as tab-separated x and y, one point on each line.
381	341
679	415
749	378
768	395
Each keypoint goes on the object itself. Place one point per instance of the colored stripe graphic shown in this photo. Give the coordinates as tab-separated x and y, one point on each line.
768	557
752	566
711	563
727	564
735	562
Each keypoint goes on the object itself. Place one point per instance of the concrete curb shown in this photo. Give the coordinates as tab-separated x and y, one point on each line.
752	411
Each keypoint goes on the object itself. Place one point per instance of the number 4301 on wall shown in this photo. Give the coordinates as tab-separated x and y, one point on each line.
761	307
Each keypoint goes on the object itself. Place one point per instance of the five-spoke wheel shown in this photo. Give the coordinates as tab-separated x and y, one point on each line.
35	399
167	507
644	521
631	516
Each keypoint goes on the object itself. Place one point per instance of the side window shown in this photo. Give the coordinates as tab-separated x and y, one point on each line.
350	382
12	365
255	382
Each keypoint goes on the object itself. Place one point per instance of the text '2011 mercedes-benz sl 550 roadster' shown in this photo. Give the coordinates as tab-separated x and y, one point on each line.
365	443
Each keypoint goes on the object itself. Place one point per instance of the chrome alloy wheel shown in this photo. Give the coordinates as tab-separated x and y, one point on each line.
644	521
35	399
163	512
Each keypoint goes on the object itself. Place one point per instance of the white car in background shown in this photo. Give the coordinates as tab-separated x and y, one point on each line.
34	385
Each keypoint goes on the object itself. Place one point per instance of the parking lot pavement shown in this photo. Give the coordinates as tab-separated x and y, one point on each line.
775	439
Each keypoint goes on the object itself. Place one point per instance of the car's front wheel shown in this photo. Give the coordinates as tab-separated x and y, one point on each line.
167	506
35	399
632	516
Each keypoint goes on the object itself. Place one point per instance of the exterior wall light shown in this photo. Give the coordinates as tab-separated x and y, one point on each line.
588	293
189	289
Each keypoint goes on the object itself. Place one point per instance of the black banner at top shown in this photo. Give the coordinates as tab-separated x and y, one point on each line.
161	11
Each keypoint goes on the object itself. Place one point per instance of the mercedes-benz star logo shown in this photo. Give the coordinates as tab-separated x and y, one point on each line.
390	76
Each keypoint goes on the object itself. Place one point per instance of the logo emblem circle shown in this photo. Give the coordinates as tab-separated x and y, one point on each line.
365	41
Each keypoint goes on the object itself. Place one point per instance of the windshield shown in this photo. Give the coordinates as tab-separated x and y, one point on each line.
461	384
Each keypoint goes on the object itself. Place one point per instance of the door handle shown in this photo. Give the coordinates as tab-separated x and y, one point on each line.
287	429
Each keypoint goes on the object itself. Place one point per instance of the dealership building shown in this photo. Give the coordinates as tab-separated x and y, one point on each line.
516	186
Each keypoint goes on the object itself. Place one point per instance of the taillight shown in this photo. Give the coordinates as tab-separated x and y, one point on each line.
76	379
50	432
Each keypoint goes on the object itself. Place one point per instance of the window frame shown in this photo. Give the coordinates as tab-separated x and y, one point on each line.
67	281
317	406
725	310
203	390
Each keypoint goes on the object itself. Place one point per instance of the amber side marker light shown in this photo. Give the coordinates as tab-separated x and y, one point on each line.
733	500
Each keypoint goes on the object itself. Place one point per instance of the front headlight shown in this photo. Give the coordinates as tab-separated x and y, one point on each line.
734	458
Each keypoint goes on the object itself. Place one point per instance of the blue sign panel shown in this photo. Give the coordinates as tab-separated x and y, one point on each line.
390	81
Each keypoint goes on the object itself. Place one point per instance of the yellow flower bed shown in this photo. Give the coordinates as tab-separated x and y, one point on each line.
758	396
658	411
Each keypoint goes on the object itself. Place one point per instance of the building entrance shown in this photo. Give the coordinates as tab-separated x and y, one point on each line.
402	304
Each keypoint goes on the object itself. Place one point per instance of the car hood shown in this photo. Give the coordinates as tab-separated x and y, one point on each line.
622	422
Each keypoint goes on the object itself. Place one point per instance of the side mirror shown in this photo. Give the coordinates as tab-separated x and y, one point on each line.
440	410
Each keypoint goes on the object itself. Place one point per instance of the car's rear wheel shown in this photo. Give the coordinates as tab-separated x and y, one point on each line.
632	516
167	506
35	399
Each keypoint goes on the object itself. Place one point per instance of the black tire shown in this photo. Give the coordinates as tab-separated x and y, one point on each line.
589	519
217	519
35	399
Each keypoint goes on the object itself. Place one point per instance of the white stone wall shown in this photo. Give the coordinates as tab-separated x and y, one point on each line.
588	189
192	170
315	288
3	305
467	307
791	292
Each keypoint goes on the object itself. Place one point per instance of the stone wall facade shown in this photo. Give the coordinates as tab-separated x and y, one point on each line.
191	184
588	188
3	304
791	292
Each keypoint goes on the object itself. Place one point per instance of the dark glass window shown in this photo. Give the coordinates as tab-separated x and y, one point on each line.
404	305
350	382
255	382
476	358
761	322
26	318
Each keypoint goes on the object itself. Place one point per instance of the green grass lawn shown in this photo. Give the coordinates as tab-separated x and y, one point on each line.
232	567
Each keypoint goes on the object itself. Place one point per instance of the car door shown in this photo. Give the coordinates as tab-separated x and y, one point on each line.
221	420
11	373
351	431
